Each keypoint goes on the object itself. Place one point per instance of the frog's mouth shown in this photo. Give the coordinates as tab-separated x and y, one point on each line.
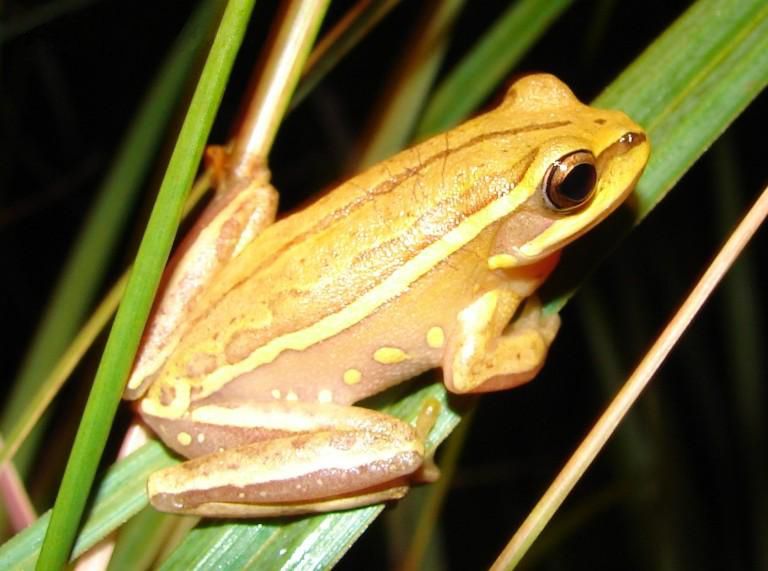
540	230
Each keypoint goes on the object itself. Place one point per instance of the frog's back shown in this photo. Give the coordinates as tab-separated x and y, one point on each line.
314	263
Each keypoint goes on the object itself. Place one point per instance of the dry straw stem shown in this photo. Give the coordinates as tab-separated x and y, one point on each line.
605	426
276	82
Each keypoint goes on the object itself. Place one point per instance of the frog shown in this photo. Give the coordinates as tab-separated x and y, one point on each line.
268	333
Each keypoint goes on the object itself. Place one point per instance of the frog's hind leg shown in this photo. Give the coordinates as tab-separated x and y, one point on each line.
242	208
287	458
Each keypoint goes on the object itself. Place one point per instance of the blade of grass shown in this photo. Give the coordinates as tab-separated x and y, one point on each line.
420	529
398	108
605	426
685	89
121	495
488	64
130	319
704	75
141	539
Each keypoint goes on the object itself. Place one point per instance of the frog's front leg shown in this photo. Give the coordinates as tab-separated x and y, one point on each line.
268	459
244	205
488	353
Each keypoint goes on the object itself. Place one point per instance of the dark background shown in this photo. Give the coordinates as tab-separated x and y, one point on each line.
675	489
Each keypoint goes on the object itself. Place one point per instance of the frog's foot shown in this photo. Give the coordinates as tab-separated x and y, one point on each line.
298	458
428	472
533	318
489	355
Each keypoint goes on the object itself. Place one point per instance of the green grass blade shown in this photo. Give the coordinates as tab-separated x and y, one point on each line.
685	89
399	106
129	322
121	495
142	539
489	63
691	84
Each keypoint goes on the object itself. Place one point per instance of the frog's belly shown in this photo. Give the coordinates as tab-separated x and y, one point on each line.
404	337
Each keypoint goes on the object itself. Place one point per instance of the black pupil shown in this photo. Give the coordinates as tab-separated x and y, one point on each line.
578	184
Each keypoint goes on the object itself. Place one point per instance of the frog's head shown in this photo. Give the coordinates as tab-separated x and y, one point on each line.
583	165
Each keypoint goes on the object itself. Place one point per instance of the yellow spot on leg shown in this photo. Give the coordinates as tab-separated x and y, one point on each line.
292	396
435	337
352	376
184	438
201	437
502	261
389	355
325	396
276	393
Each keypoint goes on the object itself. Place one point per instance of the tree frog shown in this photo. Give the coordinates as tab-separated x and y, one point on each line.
266	334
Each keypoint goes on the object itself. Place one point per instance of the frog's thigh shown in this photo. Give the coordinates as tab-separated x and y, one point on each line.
487	353
239	212
321	457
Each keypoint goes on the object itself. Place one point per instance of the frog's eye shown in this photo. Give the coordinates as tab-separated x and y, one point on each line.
570	181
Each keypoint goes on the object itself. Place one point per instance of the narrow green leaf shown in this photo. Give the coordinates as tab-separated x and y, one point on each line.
141	539
129	322
685	89
488	64
120	496
398	109
690	84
